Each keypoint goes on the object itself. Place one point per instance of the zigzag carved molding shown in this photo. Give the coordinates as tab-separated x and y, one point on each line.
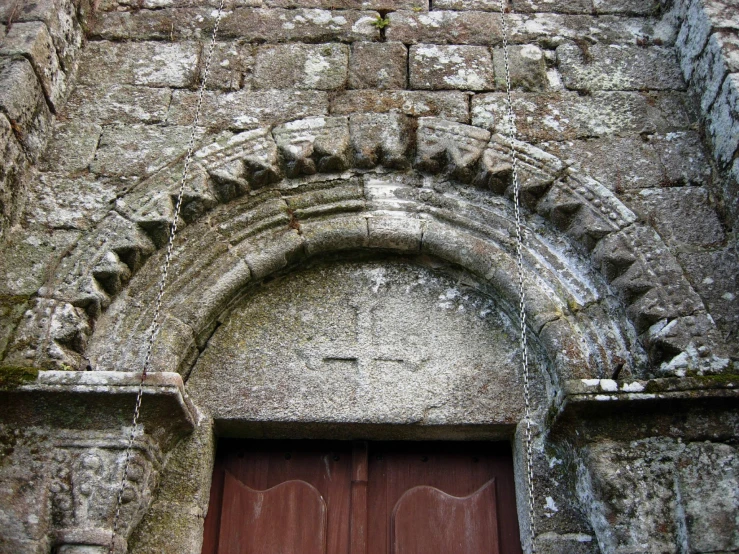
249	166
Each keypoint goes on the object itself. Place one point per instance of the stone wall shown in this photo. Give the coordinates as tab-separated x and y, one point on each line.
38	62
362	137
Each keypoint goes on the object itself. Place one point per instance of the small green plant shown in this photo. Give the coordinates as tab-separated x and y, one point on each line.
381	22
416	8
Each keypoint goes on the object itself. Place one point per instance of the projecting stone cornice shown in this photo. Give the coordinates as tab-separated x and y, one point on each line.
265	198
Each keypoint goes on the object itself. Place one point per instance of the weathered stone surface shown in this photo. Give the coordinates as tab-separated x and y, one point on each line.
435	67
62	21
715	278
631	7
301	66
636	507
478	27
626	163
240	162
22	101
527	66
719	58
78	136
619	163
28	256
663	494
723	121
246	109
444	27
32	41
450	105
248	24
567	543
683	158
378	65
520	6
558	116
536	169
671	111
385	5
13	166
649	279
314	144
618	67
443	145
385	139
365	334
151	64
681	215
139	150
708	480
230	67
57	201
118	104
65	334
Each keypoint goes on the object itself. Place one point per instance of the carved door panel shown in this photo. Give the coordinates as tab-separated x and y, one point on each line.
306	497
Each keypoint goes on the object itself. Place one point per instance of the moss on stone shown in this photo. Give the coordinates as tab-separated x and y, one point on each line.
14	376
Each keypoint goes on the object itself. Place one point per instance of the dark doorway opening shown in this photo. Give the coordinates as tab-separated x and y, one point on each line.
331	497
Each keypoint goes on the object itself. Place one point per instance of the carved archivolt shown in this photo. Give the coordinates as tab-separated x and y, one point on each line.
260	200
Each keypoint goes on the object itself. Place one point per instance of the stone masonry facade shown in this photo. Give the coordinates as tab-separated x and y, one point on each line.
352	156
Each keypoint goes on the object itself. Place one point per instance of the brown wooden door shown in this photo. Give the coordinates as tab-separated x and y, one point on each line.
306	497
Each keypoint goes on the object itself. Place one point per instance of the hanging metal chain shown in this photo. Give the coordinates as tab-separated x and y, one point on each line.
155	324
521	278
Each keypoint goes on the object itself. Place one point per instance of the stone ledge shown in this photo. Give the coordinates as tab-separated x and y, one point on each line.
588	391
100	400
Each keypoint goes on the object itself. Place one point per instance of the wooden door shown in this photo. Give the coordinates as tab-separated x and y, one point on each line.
306	497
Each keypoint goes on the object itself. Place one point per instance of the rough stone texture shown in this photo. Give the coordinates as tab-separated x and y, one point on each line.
79	136
32	41
451	105
720	57
27	257
567	116
626	163
683	216
635	7
723	121
57	201
22	101
715	278
151	64
13	165
231	66
118	104
247	110
484	28
378	66
62	19
368	334
251	25
527	67
653	494
618	67
138	150
282	174
451	67
301	66
519	6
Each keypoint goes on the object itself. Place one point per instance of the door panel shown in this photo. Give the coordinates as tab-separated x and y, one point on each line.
428	521
375	498
290	517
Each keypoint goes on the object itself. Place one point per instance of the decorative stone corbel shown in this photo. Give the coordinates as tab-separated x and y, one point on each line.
85	419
